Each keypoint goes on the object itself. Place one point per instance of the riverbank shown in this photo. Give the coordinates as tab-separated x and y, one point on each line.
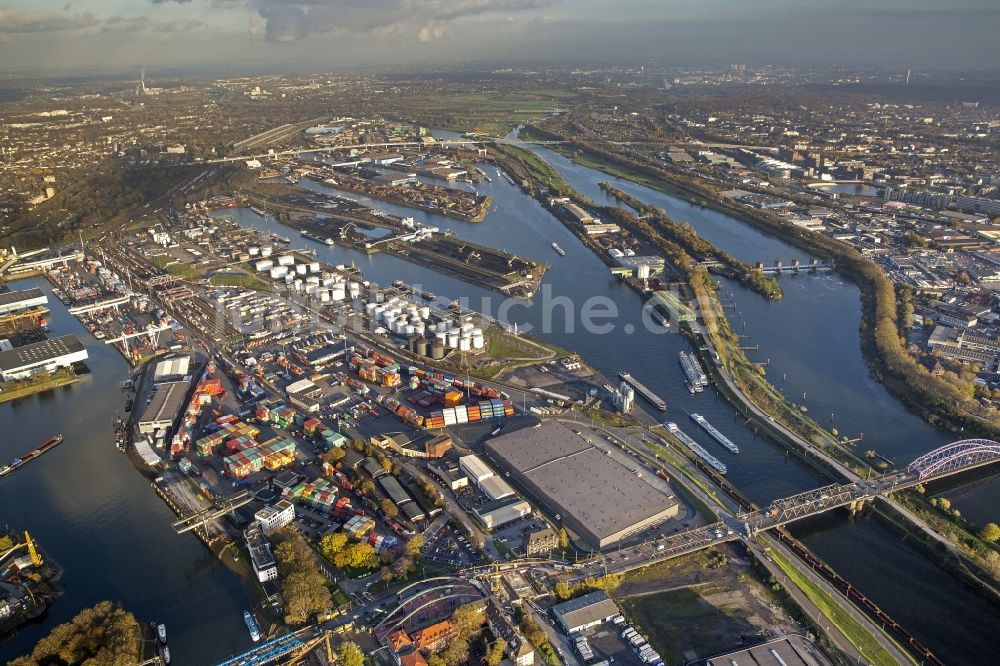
38	384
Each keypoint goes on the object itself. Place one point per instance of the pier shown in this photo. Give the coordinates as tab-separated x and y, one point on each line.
653	399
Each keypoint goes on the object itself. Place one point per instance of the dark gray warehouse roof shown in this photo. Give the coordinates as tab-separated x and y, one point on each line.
578	479
39	352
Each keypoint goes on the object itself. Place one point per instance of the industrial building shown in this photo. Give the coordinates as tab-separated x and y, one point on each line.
264	564
44	356
163	409
785	651
596	497
496	488
15	301
584	612
500	512
275	516
172	369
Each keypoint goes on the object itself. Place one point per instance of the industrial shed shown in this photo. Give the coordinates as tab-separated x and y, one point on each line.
594	495
584	612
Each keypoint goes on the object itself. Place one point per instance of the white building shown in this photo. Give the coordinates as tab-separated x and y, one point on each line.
275	516
45	356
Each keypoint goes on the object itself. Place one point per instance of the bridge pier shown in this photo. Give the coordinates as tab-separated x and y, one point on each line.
856	506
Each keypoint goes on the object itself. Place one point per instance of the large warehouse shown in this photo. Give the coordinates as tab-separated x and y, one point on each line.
163	409
14	301
44	356
596	496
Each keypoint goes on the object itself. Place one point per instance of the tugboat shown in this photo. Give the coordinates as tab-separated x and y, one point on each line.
161	633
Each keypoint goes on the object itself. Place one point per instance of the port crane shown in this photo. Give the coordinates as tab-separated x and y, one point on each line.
29	543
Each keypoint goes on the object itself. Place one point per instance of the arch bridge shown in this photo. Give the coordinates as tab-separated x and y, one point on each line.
955	457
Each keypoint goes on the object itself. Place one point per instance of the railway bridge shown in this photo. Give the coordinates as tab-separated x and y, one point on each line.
954	458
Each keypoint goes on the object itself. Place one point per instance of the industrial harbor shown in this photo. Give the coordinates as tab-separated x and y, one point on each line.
342	442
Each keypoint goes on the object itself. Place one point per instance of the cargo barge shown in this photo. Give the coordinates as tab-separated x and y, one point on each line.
46	446
561	252
653	399
696	448
696	379
711	430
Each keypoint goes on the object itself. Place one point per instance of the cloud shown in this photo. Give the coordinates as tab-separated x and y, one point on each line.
292	20
134	24
25	23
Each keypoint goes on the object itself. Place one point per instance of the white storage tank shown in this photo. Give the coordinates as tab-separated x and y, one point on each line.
264	265
452	339
379	297
370	308
354	289
425	313
329	282
467	327
465	343
337	293
278	272
324	295
301	269
266	251
254	251
478	340
298	284
286	260
410	330
314	267
288	278
443	337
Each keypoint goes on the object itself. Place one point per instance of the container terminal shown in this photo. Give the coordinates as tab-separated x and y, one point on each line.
696	379
711	430
696	448
653	399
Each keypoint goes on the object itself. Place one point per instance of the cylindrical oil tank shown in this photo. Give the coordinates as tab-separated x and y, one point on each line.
453	339
420	347
437	350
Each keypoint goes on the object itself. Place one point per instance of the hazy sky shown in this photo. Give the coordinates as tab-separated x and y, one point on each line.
74	35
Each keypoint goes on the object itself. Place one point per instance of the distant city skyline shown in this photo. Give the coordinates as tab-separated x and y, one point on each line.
95	35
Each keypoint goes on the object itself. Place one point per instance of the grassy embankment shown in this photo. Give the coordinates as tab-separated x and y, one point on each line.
15	389
831	608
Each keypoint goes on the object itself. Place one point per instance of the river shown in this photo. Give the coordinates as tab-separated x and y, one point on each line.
94	513
810	337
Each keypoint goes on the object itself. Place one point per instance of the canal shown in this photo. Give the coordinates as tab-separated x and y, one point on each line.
810	337
94	513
